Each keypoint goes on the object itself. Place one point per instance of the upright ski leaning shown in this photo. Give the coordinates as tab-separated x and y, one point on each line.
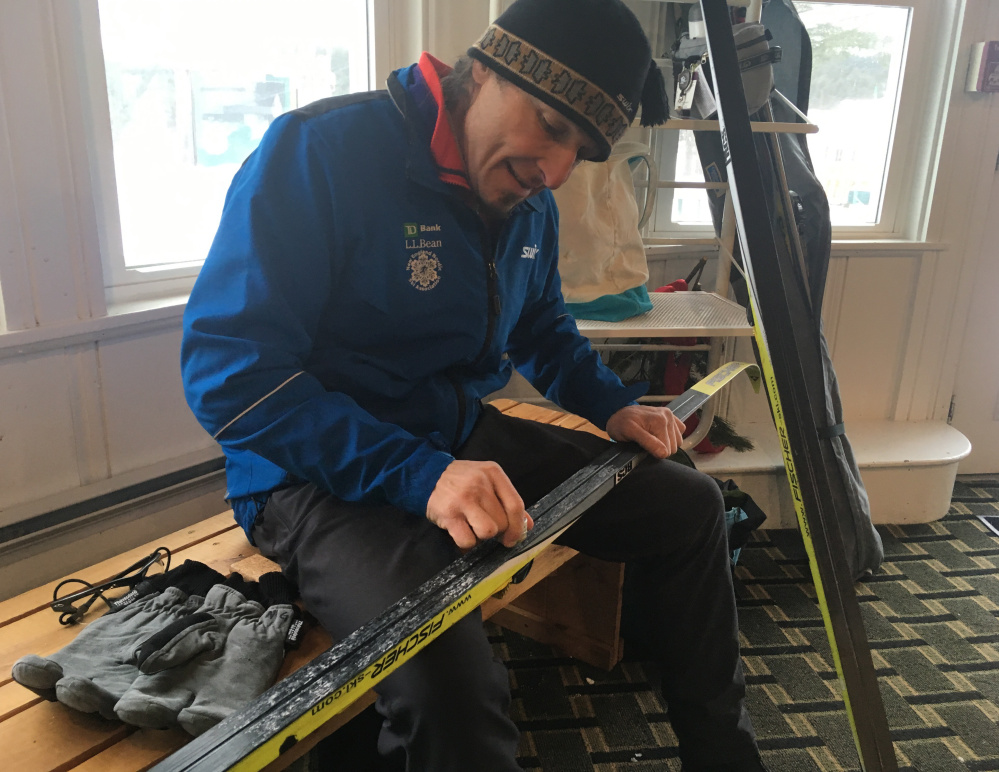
792	370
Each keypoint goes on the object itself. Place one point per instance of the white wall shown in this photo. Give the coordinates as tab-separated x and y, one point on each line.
89	401
969	218
90	393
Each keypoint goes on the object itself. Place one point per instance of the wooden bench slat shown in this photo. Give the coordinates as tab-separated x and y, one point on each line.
537	413
503	404
14	698
32	600
255	566
315	641
570	421
137	752
546	415
50	737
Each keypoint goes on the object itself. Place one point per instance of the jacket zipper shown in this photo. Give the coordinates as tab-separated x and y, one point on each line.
493	303
459	393
493	308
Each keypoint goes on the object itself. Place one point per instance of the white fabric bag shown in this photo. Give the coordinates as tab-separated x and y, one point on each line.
600	247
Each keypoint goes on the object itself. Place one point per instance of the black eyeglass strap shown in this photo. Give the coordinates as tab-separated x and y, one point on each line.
69	614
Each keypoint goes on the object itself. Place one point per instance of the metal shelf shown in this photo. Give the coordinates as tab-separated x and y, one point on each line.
677	315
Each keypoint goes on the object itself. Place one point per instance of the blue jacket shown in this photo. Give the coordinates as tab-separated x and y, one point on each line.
352	311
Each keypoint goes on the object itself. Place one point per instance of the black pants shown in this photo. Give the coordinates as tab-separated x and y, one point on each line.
446	709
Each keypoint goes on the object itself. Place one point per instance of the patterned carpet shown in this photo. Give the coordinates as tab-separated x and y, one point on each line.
932	616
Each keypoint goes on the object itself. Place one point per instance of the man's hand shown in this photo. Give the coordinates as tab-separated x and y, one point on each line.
474	501
656	429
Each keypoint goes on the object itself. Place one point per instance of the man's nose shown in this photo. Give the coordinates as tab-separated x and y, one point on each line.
556	165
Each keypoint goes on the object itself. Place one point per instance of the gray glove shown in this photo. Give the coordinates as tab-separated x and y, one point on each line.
209	664
93	671
250	661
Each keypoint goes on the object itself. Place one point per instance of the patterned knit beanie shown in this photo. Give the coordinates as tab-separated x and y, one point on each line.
588	59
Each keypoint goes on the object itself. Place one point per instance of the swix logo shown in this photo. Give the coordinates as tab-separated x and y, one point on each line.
529	252
623	472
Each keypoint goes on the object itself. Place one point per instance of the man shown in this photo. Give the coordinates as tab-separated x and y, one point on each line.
383	261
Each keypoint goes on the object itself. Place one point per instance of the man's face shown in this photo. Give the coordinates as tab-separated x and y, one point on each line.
515	145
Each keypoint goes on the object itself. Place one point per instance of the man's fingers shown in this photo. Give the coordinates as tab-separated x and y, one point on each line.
481	497
656	429
655	446
483	522
515	520
461	534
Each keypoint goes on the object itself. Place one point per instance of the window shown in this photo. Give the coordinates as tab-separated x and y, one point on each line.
191	86
870	101
857	55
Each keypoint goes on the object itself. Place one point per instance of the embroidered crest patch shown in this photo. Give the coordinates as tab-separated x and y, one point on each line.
424	270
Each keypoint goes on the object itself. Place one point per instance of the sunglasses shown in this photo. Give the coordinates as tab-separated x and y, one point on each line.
71	614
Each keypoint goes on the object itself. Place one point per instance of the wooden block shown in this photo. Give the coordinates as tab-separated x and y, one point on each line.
596	652
253	567
577	609
543	565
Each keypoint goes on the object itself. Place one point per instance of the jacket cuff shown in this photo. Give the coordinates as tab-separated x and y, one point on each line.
276	589
627	396
419	478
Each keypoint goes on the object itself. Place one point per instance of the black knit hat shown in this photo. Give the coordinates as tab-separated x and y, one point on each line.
589	59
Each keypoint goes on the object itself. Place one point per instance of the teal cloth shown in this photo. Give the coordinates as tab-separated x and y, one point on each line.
733	516
613	308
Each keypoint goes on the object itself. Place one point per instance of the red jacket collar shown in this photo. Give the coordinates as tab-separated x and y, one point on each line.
443	144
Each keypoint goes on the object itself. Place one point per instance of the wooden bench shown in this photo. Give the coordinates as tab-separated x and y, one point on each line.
576	607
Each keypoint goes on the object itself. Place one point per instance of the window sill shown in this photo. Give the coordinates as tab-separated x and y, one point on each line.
874	247
840	247
140	316
123	319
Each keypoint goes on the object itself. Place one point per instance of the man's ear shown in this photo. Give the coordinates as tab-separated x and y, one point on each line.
480	74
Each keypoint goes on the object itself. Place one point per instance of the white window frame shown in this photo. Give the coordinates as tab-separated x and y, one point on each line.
58	205
54	216
123	283
915	144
